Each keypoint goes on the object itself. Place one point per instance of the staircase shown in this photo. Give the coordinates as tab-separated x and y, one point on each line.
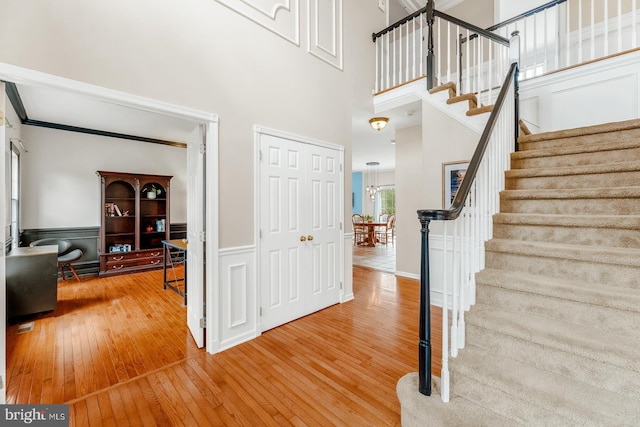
554	336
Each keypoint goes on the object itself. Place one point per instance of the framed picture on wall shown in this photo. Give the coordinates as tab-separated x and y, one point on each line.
452	176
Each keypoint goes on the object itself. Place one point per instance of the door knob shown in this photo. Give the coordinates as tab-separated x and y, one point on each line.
309	237
303	239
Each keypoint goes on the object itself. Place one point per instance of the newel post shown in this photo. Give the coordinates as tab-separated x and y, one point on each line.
424	351
514	57
430	55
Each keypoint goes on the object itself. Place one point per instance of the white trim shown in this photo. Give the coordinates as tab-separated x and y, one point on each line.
293	137
38	79
238	250
408	275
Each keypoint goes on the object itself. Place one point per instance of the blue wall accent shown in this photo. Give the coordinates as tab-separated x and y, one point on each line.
356	187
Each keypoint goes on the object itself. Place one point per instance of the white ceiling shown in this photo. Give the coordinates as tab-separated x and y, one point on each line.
79	110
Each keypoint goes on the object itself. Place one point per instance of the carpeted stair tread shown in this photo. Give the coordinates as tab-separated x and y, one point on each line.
574	193
624	144
601	346
580	403
582	131
457	412
630	222
607	255
596	294
599	230
565	171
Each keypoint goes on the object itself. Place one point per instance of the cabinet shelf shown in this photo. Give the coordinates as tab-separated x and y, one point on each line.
127	192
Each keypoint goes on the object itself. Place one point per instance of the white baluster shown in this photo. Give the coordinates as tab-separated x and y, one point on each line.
606	27
455	260
408	60
377	84
468	64
448	52
634	36
458	57
422	39
413	39
567	32
619	26
580	32
535	45
395	69
444	372
545	64
388	62
438	60
593	30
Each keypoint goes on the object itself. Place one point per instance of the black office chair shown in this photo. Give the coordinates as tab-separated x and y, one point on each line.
66	254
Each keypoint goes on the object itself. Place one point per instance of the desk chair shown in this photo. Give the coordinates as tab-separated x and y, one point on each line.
66	254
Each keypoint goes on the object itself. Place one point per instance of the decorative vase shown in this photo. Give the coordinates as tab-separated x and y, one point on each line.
149	228
151	194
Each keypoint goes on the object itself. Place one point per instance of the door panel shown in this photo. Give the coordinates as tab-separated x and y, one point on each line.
195	226
299	205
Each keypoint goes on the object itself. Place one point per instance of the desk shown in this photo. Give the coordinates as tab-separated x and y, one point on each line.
174	253
371	231
32	280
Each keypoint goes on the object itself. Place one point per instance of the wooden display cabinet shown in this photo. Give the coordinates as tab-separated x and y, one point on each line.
134	221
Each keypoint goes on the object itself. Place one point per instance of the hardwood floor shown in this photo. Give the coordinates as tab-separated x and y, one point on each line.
117	350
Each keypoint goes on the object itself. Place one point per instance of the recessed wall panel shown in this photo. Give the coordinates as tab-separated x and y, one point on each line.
237	295
325	31
278	16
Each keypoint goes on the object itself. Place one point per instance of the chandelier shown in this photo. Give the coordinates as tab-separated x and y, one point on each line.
372	180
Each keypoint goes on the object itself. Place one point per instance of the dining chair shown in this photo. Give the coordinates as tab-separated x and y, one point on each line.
359	230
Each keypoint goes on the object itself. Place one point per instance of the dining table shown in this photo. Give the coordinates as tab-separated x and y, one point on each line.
371	239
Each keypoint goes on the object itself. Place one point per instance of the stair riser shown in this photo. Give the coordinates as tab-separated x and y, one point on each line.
612	378
591	206
612	156
614	275
599	138
590	236
595	180
561	309
521	411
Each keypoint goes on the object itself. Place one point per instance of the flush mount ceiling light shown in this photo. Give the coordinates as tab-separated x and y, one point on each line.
378	123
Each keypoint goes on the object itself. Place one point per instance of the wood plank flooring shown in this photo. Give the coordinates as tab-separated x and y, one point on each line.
118	351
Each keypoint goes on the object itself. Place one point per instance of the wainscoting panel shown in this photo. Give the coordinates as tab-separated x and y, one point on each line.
84	238
238	293
599	92
347	286
279	16
325	31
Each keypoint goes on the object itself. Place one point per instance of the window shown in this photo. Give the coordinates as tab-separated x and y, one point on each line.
388	200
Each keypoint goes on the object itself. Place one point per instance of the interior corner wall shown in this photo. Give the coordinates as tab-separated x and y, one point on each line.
410	192
440	139
59	185
476	12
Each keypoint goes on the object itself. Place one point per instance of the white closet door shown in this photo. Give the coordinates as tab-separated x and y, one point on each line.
300	229
323	188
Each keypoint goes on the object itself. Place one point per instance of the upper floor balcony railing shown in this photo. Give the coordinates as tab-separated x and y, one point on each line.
556	35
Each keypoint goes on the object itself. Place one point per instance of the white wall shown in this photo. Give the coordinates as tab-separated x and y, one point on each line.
203	55
60	187
505	9
441	139
410	196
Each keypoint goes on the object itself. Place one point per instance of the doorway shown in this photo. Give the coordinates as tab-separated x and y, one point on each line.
205	126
